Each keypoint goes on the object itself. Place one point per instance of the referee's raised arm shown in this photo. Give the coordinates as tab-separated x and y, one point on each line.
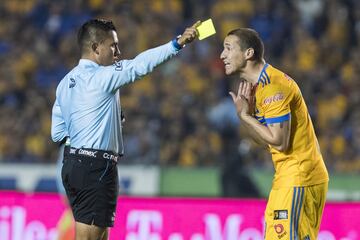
125	71
87	110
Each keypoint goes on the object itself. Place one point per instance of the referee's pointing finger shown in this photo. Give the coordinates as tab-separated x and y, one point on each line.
195	25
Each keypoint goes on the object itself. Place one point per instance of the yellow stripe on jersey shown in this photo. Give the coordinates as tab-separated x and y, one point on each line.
279	99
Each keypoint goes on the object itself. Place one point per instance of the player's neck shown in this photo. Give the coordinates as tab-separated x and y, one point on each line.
252	71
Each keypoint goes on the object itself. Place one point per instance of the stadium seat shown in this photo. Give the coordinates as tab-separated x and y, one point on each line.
46	185
7	183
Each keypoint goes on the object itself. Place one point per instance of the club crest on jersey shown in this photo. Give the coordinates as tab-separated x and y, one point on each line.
280	230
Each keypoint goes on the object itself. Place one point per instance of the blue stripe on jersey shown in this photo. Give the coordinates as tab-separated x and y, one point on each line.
265	80
292	213
296	211
267	77
262	79
260	119
279	119
299	212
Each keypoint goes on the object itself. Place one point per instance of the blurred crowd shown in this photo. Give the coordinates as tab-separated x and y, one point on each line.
182	114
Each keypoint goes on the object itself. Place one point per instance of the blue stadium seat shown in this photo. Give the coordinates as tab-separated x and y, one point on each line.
46	185
7	183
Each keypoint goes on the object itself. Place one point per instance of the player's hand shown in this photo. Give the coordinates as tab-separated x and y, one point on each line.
251	100
189	34
243	98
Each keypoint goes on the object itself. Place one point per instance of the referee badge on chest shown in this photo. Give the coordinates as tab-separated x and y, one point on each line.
118	66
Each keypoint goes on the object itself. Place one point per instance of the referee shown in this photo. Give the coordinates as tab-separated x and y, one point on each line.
87	110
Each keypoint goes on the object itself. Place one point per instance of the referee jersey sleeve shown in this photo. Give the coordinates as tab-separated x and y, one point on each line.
58	127
126	71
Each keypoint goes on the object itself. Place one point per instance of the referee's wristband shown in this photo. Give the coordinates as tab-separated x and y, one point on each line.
176	45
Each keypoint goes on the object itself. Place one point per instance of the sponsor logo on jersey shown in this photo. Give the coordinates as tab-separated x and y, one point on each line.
280	214
275	98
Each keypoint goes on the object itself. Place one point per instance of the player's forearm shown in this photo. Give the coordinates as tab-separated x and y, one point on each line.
258	132
251	134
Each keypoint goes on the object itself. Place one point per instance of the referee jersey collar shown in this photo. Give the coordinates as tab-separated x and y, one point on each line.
87	62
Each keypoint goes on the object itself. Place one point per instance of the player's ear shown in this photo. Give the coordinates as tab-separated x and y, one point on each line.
249	53
94	48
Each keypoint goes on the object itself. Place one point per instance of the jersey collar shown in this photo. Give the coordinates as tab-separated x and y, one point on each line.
87	62
263	77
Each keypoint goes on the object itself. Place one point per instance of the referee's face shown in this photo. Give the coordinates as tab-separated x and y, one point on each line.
108	50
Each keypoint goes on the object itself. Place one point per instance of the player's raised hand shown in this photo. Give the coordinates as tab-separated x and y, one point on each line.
246	90
242	98
189	34
251	100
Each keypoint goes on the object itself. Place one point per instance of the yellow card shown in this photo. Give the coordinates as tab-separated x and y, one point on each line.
206	29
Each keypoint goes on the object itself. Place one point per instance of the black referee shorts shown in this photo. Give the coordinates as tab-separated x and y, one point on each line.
90	179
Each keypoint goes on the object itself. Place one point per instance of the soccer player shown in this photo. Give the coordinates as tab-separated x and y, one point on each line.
87	110
273	112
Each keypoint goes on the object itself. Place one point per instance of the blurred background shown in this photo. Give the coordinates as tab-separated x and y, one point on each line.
181	133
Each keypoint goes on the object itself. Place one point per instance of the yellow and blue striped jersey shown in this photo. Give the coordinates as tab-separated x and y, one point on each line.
278	99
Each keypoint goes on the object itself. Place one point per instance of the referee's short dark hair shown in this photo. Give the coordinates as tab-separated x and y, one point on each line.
249	38
93	31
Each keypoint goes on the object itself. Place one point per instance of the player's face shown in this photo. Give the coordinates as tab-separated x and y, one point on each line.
232	55
109	50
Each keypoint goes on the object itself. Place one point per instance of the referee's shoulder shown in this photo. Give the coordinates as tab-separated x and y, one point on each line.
64	80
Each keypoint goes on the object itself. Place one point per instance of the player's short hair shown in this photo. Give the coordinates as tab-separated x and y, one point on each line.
93	31
249	38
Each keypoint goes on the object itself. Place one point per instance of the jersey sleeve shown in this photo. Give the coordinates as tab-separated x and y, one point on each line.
275	103
127	71
58	127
